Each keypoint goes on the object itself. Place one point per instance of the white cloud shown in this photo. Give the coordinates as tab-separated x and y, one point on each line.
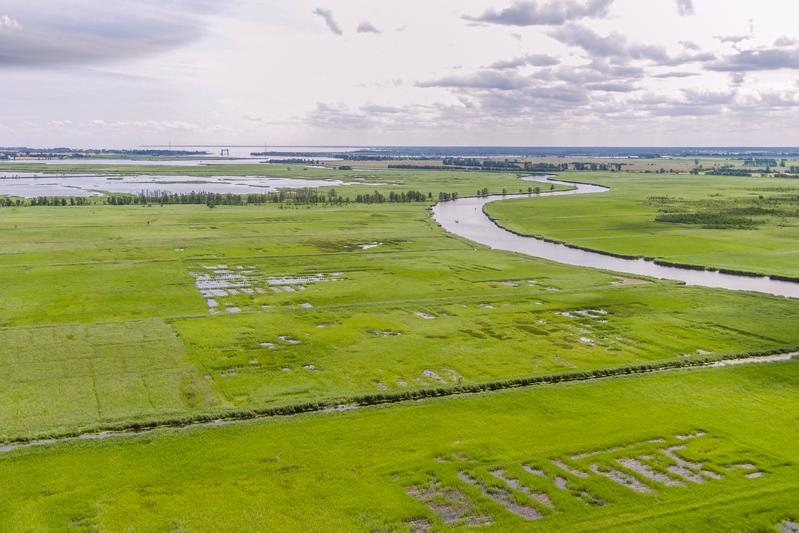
145	124
783	40
57	34
199	71
553	13
9	24
59	124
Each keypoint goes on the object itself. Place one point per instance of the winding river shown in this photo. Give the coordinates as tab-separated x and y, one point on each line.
465	217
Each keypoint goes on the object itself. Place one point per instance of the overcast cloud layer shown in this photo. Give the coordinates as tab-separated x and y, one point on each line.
509	72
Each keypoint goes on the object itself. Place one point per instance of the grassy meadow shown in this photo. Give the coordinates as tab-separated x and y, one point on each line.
62	376
330	303
113	316
723	453
748	224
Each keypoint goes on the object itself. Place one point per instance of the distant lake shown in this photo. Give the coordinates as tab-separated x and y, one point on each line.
245	151
237	155
177	161
32	184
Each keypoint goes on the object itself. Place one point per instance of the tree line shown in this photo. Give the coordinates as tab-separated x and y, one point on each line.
510	165
376	197
45	201
306	196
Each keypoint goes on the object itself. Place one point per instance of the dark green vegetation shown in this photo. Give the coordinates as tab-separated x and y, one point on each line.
729	213
121	316
743	224
303	197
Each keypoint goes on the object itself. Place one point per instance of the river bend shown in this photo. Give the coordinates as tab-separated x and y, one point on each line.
465	217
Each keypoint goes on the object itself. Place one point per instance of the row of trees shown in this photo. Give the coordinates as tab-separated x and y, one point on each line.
762	162
730	171
528	166
614	167
10	202
376	197
306	196
530	190
709	220
294	161
488	164
410	196
727	170
295	196
45	200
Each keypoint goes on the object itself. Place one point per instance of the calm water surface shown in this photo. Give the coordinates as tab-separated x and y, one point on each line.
32	184
465	217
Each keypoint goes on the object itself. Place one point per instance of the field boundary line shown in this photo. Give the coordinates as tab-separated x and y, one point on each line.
101	431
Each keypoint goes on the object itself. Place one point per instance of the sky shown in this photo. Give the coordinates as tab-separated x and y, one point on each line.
120	73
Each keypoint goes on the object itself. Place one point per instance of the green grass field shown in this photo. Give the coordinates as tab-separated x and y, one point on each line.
622	220
352	471
113	316
315	315
102	371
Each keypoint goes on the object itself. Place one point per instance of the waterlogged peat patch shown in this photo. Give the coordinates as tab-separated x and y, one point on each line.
646	471
788	526
502	497
539	488
235	288
419	525
622	478
566	468
385	333
441	376
583	313
656	463
451	505
541	497
432	375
